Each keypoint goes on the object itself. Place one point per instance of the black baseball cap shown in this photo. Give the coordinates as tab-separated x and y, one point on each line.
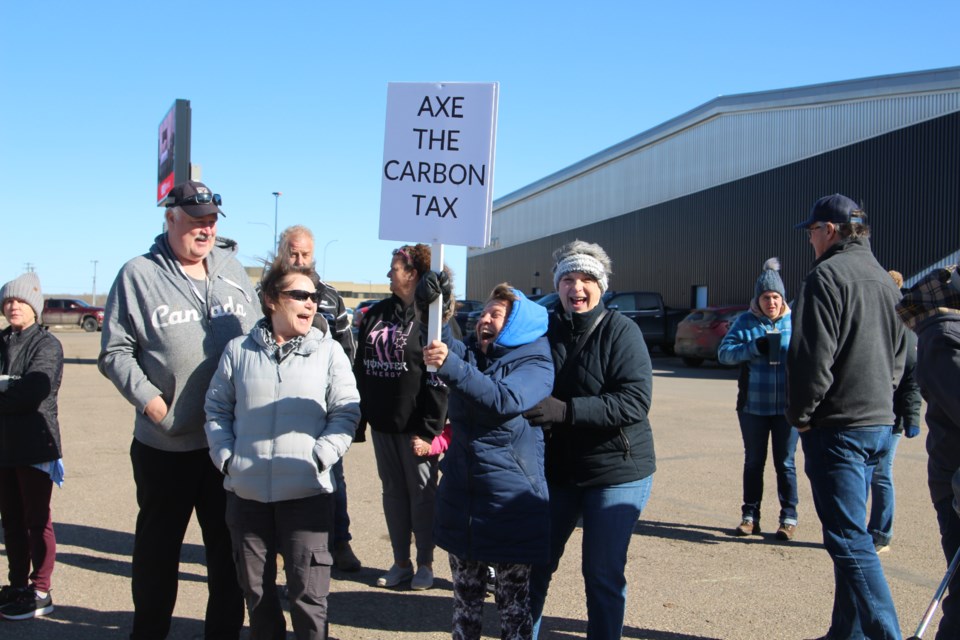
838	209
195	199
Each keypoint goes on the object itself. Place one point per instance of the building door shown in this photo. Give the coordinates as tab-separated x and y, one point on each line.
698	296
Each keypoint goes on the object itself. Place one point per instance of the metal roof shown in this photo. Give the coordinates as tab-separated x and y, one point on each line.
936	80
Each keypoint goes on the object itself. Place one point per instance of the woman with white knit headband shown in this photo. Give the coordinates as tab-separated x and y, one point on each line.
599	452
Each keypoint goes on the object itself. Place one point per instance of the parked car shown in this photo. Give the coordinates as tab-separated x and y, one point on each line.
463	310
657	321
700	333
358	311
72	312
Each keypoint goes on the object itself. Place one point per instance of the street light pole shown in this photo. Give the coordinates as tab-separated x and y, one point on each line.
276	204
94	281
323	273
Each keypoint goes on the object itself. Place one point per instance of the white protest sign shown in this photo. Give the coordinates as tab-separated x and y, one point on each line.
437	173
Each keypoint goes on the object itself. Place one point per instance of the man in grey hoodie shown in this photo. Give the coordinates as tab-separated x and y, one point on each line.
169	315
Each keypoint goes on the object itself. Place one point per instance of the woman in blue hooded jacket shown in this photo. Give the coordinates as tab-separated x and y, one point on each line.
492	502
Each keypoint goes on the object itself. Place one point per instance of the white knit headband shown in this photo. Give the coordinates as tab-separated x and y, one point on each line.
584	264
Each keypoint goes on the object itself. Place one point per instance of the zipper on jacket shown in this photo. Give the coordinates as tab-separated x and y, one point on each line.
626	444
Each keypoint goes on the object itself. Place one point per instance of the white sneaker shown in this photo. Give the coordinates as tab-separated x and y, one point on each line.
395	576
423	580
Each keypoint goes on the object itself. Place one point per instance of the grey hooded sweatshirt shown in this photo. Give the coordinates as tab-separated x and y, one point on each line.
163	334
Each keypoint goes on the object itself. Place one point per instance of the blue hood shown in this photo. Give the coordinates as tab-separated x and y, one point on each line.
527	322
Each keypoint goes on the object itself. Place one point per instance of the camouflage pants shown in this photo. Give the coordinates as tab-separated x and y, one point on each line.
513	599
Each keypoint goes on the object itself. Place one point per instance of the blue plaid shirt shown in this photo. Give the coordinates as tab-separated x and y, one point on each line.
765	383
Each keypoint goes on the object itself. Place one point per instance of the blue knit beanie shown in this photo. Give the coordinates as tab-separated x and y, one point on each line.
769	280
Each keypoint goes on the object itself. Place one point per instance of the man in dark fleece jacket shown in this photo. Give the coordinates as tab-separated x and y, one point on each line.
932	309
846	356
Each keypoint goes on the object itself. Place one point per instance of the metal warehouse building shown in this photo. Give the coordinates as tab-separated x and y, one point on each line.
693	207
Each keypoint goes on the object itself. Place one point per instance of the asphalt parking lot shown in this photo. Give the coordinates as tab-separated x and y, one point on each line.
689	578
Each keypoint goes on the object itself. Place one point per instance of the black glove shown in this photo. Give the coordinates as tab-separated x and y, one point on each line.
763	345
360	435
431	285
548	411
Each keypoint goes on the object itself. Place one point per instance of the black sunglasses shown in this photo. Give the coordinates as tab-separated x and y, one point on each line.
201	198
301	295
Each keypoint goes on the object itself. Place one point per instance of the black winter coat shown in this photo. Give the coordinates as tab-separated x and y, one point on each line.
609	391
29	430
938	366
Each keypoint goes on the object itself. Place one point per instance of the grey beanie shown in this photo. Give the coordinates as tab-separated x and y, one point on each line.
26	288
769	280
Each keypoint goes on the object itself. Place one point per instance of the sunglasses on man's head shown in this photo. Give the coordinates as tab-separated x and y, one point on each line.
301	295
201	198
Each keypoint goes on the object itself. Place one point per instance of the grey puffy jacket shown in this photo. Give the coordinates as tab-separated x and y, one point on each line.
276	427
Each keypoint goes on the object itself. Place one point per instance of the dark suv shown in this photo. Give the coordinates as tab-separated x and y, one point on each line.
76	313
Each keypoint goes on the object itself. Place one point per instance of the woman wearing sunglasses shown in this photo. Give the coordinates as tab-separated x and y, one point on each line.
281	411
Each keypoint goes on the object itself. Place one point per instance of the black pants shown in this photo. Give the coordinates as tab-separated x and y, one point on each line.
169	487
299	530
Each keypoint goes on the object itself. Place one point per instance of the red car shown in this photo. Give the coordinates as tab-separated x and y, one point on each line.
700	333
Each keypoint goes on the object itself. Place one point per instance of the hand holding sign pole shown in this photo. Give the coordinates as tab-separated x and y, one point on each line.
437	177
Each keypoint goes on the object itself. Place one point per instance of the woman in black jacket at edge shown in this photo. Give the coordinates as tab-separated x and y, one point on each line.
599	453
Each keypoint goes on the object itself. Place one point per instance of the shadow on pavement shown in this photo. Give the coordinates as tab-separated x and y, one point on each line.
568	629
114	543
391	611
79	623
709	535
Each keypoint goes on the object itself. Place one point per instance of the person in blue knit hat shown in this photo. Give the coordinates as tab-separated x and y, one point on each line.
758	342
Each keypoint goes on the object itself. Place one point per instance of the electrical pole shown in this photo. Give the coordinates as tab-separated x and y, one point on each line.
94	281
276	204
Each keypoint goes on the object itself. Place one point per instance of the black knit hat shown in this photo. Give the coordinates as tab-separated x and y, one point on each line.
769	280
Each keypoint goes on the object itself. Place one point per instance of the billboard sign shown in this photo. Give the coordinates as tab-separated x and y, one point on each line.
173	149
437	172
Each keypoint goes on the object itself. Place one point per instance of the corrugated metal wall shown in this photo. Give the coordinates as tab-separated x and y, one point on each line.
907	181
707	154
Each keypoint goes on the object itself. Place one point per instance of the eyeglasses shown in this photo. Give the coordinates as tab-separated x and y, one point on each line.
301	295
810	230
201	198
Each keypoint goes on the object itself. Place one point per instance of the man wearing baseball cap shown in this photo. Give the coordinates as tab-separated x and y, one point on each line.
168	317
846	356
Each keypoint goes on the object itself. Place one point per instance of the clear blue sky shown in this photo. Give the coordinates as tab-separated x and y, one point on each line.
290	96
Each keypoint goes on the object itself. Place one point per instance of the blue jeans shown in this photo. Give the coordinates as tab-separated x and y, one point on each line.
609	514
341	519
757	431
882	498
838	464
950	541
